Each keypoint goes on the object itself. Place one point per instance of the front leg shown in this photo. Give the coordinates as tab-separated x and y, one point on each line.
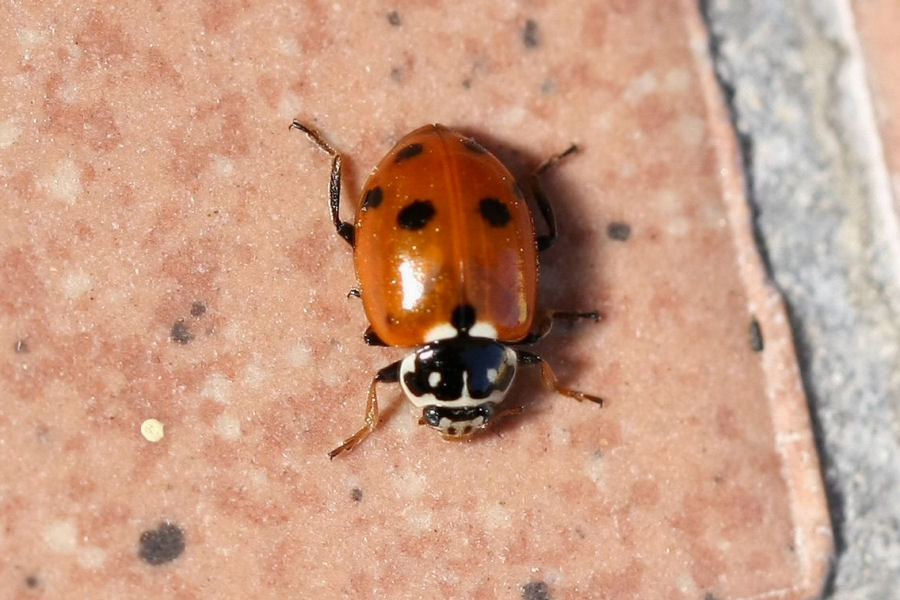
548	378
389	374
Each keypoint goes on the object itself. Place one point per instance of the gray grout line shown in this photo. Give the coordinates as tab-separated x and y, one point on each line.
827	224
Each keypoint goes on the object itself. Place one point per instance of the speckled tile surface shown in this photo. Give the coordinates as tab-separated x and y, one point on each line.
167	254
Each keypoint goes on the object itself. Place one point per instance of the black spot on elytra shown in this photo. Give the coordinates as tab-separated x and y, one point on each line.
198	309
408	152
618	231
474	146
161	545
756	336
32	581
180	333
416	214
463	317
394	18
530	35
356	494
535	590
494	212
373	198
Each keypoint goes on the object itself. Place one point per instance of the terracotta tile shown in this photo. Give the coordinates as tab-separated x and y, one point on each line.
147	169
877	22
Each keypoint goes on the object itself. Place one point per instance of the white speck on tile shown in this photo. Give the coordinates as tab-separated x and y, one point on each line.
299	355
713	215
411	484
76	283
495	516
289	106
91	557
287	45
227	427
640	86
254	376
678	226
677	80
63	182
152	430
61	536
513	117
690	129
560	436
10	130
222	165
595	469
29	39
217	387
419	518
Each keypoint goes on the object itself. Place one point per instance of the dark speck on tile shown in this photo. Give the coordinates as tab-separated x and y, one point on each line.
536	590
32	581
709	596
467	83
356	494
21	346
618	231
530	35
180	333
198	309
756	336
394	18
161	545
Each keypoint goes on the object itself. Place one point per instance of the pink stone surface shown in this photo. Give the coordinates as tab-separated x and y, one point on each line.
166	254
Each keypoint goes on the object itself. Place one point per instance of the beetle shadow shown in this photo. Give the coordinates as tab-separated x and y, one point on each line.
569	277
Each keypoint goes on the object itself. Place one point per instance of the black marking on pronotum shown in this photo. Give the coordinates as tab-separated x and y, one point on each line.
161	545
416	214
618	231
474	146
372	198
463	317
756	336
483	362
408	152
494	212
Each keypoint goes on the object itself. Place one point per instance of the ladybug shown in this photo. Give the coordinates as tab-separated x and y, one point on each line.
446	257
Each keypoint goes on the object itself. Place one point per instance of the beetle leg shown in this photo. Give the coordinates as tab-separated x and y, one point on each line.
389	374
545	322
543	202
548	378
344	229
371	338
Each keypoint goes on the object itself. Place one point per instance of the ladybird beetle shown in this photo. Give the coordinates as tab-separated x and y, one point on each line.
446	258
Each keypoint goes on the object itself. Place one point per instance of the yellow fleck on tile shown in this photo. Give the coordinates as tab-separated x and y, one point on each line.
152	430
